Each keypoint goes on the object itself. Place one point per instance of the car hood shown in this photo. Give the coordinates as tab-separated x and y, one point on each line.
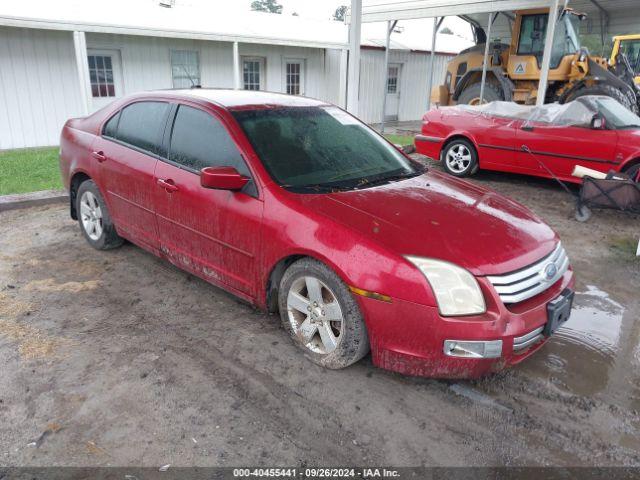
445	218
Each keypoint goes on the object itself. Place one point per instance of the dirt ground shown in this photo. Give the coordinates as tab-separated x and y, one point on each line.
118	358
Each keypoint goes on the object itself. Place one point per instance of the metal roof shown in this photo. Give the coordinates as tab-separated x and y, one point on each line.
148	18
382	10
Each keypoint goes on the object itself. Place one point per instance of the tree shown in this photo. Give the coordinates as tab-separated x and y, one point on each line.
271	6
340	13
446	31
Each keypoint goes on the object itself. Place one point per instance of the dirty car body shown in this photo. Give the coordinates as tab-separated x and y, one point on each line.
451	279
593	131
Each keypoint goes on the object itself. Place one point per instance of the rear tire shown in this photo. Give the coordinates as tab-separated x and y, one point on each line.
459	158
321	315
94	219
471	94
606	90
632	171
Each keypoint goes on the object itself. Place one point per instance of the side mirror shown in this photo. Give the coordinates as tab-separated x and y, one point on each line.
598	122
222	178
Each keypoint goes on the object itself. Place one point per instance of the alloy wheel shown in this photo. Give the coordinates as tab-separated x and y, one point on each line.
91	215
458	158
315	315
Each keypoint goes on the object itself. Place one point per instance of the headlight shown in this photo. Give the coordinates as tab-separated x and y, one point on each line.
456	290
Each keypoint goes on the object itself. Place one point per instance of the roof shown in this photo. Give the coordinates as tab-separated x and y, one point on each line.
445	45
236	99
147	17
381	10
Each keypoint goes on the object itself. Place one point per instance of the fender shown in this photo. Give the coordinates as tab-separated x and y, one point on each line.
504	81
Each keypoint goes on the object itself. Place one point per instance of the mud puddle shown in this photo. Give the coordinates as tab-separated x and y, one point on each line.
596	353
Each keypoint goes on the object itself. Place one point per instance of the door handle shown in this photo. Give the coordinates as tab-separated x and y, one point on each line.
168	185
100	156
528	128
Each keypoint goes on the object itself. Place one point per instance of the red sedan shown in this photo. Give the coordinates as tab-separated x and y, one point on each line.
595	132
296	206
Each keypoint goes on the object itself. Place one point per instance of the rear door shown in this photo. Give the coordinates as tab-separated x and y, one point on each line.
127	153
213	233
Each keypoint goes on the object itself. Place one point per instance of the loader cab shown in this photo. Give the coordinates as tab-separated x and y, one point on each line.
528	39
630	46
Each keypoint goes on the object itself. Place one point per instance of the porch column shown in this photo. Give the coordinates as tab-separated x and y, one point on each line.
485	61
390	26
82	66
436	26
353	85
236	66
342	92
546	57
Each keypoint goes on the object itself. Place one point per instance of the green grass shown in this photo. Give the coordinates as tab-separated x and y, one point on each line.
400	139
29	170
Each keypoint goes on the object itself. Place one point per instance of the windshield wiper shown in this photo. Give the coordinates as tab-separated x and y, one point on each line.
388	179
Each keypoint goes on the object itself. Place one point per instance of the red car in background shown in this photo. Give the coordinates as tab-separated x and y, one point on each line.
296	206
592	131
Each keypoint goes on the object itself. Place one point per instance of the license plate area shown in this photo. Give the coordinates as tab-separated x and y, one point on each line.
558	311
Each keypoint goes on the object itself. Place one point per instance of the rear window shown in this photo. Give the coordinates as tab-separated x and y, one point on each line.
111	127
141	125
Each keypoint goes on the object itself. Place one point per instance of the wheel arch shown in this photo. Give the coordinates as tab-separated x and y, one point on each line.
630	163
459	136
494	73
76	180
277	271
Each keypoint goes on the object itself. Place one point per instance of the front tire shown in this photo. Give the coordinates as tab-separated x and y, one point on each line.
321	315
459	158
94	219
471	94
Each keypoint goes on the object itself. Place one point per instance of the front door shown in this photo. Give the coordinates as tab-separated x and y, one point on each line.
393	92
213	233
105	76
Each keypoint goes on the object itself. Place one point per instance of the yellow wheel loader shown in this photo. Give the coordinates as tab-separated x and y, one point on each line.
513	70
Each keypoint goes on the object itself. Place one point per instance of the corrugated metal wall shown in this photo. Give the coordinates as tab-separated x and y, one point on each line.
413	82
39	88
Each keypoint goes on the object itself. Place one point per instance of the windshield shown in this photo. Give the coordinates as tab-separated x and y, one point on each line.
565	40
616	116
320	149
631	48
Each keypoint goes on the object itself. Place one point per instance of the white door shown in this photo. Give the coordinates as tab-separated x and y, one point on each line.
393	92
105	75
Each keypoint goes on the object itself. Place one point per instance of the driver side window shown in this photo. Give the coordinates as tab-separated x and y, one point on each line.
199	140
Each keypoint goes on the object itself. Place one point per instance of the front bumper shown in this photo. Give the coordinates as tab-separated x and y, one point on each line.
409	338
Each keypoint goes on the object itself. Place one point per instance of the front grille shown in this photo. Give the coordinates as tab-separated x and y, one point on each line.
525	283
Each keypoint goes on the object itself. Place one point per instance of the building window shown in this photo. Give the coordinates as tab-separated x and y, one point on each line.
294	77
101	76
252	72
392	81
185	68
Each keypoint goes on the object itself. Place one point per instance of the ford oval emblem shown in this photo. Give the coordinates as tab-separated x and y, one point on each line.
550	271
